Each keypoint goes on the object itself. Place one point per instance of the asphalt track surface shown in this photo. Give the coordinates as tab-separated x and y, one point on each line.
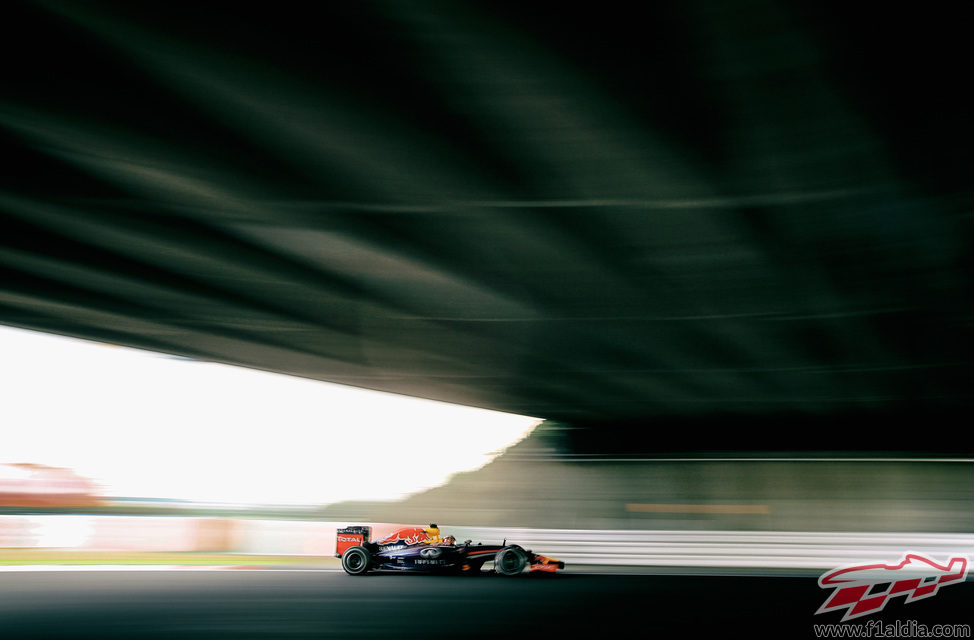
328	604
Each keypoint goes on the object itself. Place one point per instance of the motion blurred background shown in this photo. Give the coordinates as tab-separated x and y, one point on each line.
704	267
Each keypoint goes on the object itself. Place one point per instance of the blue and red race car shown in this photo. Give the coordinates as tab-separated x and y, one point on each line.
421	550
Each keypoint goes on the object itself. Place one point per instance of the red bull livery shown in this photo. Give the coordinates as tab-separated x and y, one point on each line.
422	550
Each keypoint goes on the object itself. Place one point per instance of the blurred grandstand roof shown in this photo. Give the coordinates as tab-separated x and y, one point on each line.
577	213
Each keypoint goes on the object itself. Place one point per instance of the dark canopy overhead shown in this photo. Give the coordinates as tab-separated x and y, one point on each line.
573	212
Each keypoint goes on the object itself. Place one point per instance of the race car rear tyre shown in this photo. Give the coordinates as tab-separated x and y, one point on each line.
510	561
356	561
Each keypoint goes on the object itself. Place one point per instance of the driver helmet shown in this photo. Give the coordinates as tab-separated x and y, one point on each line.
433	531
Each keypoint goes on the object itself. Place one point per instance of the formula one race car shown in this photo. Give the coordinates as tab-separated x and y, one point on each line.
419	549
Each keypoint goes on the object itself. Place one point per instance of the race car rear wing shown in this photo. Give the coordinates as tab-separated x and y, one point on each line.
351	537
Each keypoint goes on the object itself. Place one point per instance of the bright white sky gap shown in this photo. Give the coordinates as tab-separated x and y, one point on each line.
147	425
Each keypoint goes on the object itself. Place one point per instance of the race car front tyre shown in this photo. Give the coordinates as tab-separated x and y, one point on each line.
356	561
510	561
